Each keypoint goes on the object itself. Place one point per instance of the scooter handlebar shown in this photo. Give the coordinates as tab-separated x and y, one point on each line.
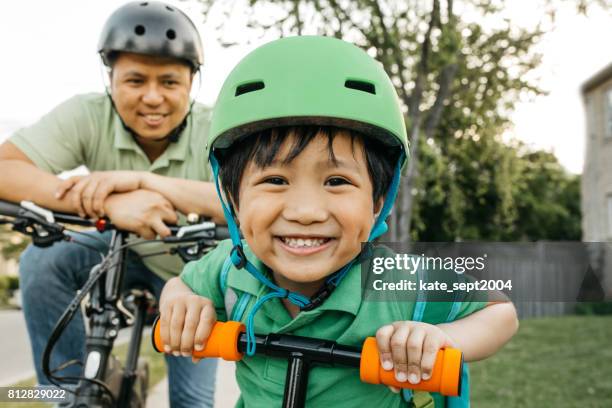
445	379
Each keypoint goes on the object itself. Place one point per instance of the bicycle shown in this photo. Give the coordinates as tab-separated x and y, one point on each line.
228	340
105	381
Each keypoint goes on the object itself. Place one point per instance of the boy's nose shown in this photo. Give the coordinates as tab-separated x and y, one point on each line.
305	209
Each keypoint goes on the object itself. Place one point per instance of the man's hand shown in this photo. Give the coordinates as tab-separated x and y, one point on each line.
411	348
143	212
89	192
186	319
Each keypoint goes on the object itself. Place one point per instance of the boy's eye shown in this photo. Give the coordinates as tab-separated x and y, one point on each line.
279	181
134	81
170	83
337	181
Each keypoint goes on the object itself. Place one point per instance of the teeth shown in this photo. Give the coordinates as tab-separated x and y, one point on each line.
153	117
304	243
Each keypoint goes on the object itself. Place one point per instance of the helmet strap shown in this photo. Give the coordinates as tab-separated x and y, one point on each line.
172	136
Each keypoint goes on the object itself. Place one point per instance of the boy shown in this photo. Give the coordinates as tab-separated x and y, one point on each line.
308	140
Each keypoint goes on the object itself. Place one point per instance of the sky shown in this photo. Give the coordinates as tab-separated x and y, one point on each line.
49	54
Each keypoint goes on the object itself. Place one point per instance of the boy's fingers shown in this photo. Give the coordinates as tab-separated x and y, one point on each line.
164	328
383	339
189	329
414	346
431	346
176	327
394	389
208	317
398	350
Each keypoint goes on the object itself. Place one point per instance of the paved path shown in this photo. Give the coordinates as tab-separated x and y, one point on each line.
14	348
226	390
17	363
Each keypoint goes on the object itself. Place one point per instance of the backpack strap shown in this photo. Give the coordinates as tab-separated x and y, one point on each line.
235	305
462	400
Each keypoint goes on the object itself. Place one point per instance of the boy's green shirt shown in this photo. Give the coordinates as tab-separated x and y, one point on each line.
86	131
343	318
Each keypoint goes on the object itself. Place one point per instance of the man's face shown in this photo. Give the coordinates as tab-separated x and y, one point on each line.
151	94
306	219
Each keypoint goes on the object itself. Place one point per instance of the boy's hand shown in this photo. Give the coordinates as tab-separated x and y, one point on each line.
411	349
186	319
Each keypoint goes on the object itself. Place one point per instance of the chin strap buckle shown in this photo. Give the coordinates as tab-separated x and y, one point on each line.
237	256
318	298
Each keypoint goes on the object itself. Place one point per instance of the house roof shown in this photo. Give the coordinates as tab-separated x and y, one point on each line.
597	79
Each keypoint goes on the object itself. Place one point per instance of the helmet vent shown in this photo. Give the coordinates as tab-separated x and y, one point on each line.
144	4
250	87
171	34
139	30
169	8
360	86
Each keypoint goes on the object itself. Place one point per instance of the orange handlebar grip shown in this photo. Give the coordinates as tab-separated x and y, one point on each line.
222	342
445	378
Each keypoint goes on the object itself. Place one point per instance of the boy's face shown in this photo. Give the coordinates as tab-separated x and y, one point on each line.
306	219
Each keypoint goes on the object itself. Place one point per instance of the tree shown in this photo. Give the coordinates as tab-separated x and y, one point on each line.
457	80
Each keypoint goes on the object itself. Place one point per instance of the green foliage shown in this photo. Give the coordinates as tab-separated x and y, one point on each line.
551	362
594	308
459	79
12	243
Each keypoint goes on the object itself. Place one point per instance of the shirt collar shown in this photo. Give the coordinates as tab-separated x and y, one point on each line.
346	297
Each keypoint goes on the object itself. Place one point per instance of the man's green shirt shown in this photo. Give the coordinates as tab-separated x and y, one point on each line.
344	317
86	131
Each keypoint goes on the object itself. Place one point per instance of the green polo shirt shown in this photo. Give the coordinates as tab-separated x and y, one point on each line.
86	130
343	318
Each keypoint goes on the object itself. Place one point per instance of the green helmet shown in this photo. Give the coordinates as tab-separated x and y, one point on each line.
309	80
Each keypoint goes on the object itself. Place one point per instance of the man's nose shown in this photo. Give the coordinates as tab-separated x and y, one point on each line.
153	95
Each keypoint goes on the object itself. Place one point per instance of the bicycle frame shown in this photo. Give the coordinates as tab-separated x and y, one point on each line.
105	322
105	309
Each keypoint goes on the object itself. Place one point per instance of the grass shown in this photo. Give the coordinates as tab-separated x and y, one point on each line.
157	371
551	362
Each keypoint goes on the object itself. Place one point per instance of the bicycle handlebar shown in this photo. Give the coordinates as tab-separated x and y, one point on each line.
187	234
228	341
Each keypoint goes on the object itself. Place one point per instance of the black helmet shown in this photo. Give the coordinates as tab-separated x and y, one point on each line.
151	28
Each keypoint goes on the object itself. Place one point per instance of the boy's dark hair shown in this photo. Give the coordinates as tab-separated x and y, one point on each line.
263	146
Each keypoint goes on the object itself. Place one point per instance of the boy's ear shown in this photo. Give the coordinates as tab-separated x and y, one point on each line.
378	206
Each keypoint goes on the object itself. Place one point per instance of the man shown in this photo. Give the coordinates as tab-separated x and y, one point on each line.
145	144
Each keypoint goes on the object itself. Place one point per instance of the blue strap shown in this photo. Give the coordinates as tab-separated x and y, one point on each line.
380	226
240	306
462	400
224	274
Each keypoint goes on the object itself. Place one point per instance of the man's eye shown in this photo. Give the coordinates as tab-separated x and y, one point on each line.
134	81
337	181
275	180
170	83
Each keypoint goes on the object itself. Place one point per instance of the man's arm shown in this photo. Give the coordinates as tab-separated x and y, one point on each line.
22	180
187	196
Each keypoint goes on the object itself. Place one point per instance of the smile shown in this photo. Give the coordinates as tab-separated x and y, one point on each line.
304	245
